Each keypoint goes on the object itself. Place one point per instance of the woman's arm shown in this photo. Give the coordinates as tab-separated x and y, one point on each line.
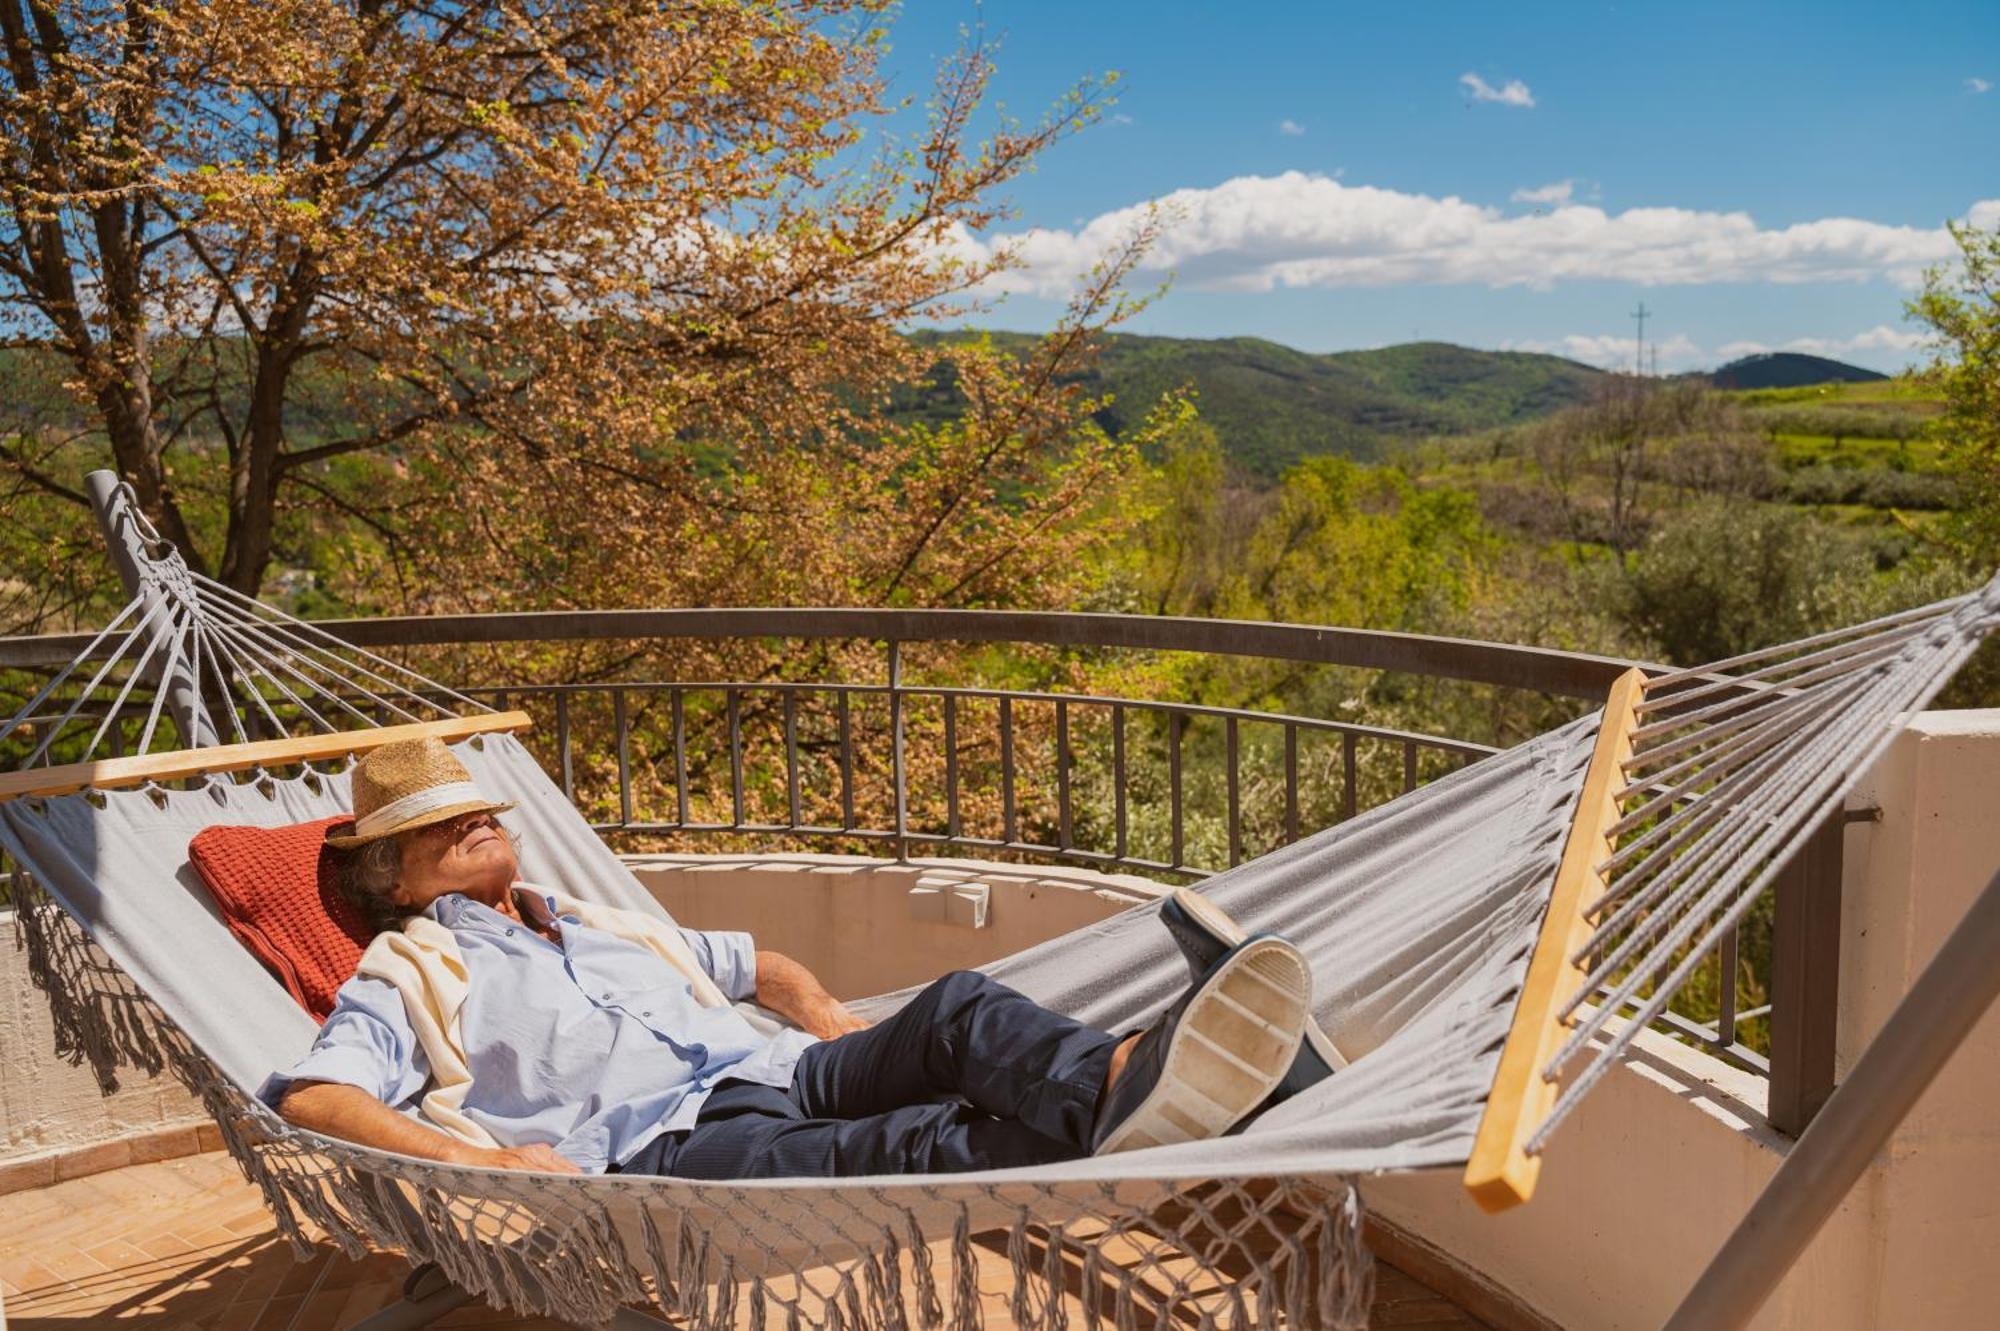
352	1114
795	993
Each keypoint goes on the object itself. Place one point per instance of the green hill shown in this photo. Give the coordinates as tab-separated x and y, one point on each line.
1790	369
1272	405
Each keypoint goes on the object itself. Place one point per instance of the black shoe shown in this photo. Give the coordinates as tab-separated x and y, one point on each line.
1215	1056
1206	933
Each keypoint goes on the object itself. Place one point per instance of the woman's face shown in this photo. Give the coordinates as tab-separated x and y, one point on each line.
468	854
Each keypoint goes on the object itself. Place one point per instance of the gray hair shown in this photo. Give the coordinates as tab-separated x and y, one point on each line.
367	881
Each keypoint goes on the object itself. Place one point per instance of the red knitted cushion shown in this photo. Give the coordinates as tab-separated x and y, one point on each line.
275	886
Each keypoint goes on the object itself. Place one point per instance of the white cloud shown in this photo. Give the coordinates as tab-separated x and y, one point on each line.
1120	118
1984	215
1291	128
1512	93
1882	347
1978	86
1259	233
1558	192
1614	351
1900	343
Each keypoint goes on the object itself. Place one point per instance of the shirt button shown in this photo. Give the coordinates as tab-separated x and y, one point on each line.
510	933
647	1013
607	998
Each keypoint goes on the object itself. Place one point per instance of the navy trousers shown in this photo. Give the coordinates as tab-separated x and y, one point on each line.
969	1075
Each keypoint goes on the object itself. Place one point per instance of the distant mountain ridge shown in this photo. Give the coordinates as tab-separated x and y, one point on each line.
1272	405
1789	369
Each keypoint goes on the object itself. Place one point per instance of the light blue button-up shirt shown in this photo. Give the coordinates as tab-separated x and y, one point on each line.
594	1046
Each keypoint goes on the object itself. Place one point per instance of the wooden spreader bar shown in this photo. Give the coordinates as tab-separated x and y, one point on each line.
111	773
1501	1173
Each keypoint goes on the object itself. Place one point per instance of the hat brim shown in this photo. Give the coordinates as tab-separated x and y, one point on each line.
428	818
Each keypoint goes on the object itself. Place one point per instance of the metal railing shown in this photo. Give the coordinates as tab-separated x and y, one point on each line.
1056	834
1159	787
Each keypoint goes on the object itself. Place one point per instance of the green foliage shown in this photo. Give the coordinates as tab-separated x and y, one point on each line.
1350	544
1962	306
1335	542
1887	420
1721	578
1881	488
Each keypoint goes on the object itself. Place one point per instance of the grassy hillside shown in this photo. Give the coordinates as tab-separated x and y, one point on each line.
1272	405
1863	457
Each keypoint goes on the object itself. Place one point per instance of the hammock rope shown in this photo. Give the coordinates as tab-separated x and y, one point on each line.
1746	794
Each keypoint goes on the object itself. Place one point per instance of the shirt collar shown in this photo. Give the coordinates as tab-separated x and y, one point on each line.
538	905
454	906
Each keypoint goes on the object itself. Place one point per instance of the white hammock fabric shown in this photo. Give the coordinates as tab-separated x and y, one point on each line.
1418	918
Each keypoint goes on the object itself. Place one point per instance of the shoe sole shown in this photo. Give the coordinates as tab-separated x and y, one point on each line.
1212	918
1233	1045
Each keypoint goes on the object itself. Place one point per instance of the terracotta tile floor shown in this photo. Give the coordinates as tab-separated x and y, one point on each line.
187	1244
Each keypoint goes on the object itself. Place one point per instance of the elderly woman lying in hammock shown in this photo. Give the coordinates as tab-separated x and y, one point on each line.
495	1023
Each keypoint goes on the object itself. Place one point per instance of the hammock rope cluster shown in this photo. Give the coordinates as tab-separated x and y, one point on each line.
1471	942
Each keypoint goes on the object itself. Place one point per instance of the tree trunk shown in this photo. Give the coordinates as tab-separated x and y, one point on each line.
253	481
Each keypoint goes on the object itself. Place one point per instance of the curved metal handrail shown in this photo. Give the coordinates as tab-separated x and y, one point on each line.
1539	669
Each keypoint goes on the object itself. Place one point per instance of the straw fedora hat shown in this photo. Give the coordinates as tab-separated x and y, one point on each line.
409	784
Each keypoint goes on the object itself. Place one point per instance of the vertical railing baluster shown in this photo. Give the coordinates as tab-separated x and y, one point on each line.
896	771
1725	989
1118	780
1805	978
1291	783
843	711
792	757
618	720
1174	844
1007	770
1409	766
732	704
564	762
1232	763
1062	774
1349	775
951	766
677	701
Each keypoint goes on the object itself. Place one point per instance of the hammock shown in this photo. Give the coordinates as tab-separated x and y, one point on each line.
1471	942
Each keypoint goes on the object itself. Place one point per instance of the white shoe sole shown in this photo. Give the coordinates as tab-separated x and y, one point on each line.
1234	1044
1214	920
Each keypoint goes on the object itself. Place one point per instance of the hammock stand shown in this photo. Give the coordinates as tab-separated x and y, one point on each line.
1671	812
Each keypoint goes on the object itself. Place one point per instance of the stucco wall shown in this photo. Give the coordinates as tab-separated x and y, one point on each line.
46	1105
853	920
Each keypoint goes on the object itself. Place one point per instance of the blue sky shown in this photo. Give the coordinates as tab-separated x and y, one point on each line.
1761	175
